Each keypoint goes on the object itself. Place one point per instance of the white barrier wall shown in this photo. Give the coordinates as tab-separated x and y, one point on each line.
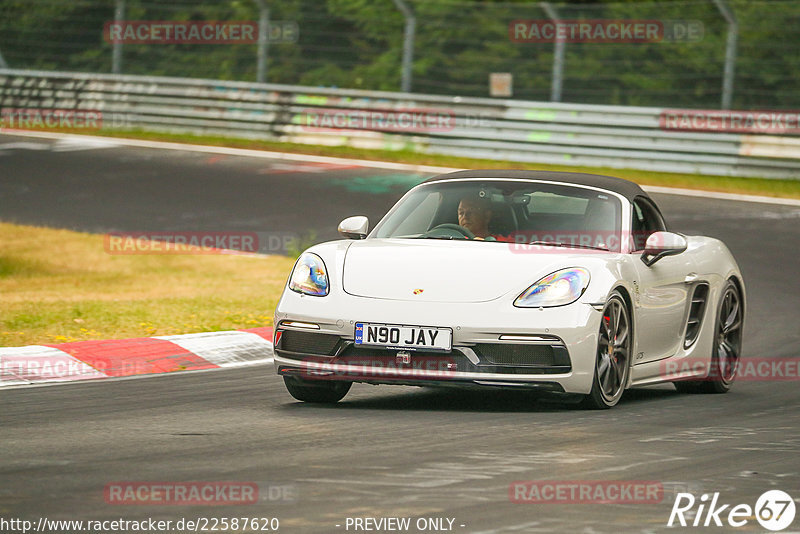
762	144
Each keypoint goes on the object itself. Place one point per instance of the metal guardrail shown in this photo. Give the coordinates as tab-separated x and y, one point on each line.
512	130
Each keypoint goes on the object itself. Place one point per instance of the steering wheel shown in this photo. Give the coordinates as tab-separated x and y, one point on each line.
450	230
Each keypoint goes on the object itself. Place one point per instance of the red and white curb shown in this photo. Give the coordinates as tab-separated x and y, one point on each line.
96	359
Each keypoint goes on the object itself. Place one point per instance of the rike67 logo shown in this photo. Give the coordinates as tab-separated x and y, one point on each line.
774	510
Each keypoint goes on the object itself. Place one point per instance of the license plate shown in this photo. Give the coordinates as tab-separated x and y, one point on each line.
392	336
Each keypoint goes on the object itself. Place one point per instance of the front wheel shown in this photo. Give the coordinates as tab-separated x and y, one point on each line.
612	361
319	391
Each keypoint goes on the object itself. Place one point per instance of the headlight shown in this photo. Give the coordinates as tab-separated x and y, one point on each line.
309	276
556	289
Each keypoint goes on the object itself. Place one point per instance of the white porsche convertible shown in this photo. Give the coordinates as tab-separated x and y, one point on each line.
561	282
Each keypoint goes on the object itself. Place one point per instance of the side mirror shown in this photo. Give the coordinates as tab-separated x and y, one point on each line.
660	244
354	227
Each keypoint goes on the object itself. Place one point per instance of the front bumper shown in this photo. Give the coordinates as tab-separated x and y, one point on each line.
494	344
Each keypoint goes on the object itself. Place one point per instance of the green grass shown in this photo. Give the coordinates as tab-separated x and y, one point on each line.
59	286
753	186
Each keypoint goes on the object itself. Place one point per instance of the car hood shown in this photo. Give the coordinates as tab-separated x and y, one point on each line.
448	271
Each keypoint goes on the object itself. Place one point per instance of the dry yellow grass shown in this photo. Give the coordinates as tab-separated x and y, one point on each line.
59	285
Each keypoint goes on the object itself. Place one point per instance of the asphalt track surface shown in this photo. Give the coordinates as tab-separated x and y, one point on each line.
383	451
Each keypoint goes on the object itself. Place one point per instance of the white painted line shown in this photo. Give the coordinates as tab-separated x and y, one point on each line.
78	142
242	152
367	163
722	196
229	348
37	363
24	146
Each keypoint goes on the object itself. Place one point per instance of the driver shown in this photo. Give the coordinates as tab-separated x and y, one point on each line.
474	214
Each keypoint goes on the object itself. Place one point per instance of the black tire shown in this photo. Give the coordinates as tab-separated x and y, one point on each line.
319	391
727	350
612	359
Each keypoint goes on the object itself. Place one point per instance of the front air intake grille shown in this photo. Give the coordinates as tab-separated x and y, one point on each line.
495	358
516	355
309	342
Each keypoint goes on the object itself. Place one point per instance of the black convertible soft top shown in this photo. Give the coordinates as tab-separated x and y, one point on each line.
628	189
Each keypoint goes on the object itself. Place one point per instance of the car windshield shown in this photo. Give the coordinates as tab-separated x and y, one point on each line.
507	211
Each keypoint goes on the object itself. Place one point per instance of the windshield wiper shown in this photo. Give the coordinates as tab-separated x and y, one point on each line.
567	245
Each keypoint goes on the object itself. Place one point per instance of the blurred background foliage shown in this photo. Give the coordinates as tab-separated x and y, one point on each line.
358	44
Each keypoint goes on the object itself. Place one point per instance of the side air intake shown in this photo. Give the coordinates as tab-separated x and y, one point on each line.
693	323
